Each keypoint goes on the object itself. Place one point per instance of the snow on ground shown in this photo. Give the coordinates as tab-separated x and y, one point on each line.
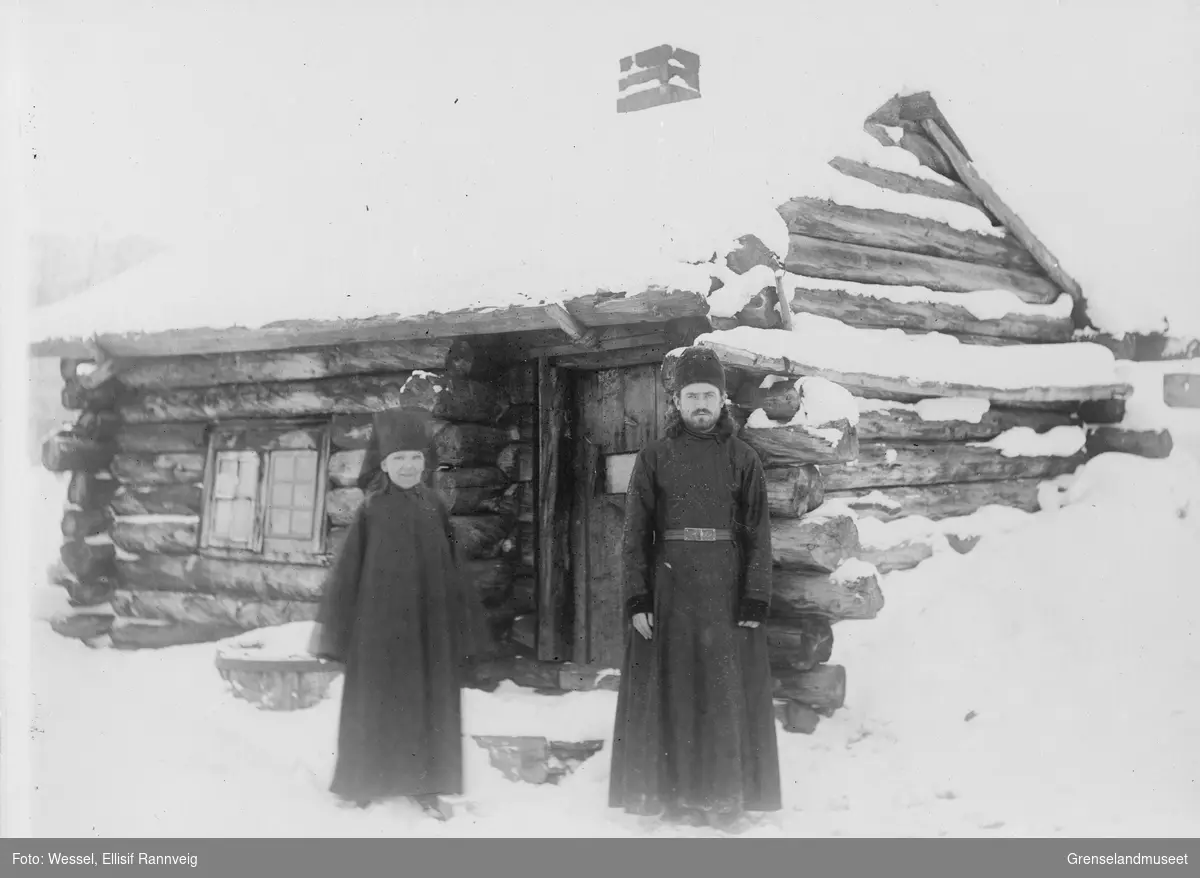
1040	685
822	342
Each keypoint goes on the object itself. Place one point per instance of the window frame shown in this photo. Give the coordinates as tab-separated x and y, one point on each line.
262	437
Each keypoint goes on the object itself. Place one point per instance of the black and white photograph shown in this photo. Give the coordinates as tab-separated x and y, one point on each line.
627	419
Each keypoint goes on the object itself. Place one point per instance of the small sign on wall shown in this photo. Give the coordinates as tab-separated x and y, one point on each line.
618	469
662	75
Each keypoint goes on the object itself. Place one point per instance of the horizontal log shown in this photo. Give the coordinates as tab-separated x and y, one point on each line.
794	490
828	259
82	626
87	491
908	184
79	524
871	312
293	365
851	594
520	381
1154	444
161	438
910	390
354	394
89	562
788	445
491	579
157	535
799	644
823	688
940	501
881	465
1101	411
907	425
127	633
827	220
903	555
816	542
341	505
779	402
158	500
220	576
1181	390
469	490
346	466
480	536
239	614
66	452
158	469
91	592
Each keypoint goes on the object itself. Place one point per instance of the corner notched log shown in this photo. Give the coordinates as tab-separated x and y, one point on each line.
838	597
88	492
940	501
218	576
67	452
468	490
823	688
801	644
157	500
794	490
453	398
79	524
797	718
817	258
815	542
158	469
341	504
1154	444
788	445
157	535
89	562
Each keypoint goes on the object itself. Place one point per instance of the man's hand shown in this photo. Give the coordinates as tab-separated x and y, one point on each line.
748	624
643	624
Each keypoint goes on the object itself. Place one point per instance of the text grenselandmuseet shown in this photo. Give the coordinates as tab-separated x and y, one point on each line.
1125	860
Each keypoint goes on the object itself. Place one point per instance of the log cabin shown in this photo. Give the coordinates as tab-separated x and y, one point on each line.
214	469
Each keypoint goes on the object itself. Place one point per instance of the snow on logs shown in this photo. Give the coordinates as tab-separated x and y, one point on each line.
940	501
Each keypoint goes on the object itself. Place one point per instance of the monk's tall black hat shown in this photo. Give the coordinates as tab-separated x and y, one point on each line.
401	430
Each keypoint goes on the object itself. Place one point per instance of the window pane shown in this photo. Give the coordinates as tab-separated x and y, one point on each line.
306	466
302	523
281	494
304	496
248	475
243	521
222	518
282	466
280	522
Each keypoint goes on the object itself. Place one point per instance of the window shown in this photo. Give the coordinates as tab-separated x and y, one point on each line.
265	490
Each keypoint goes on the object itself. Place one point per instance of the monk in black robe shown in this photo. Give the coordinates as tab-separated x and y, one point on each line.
695	729
397	612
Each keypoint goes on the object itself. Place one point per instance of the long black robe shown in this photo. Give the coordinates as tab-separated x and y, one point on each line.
398	613
695	725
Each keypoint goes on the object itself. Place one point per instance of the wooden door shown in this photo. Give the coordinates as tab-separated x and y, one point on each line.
617	412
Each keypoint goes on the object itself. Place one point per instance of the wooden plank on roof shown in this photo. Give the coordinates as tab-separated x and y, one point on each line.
986	194
904	389
819	218
829	259
597	309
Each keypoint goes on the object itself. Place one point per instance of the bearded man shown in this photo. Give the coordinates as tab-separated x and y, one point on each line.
695	728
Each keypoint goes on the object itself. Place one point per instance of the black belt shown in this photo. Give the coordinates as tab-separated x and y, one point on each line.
699	535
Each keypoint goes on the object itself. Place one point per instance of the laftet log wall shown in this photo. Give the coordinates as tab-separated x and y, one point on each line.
138	451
